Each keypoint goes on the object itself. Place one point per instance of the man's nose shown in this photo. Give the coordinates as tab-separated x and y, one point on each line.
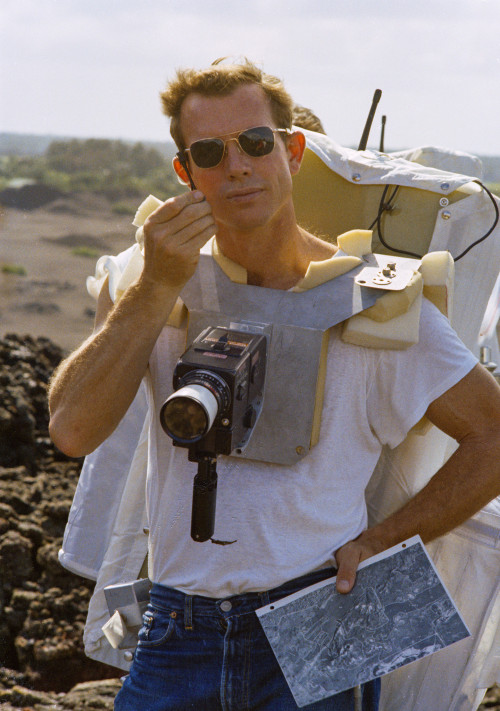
236	161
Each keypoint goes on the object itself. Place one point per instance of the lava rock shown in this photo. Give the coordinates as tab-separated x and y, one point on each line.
42	606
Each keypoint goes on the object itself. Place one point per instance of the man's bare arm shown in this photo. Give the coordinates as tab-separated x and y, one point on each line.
93	388
470	413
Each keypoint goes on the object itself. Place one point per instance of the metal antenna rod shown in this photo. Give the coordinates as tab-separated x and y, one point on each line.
382	134
369	120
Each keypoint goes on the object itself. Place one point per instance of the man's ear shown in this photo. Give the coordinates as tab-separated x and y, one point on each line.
296	145
180	170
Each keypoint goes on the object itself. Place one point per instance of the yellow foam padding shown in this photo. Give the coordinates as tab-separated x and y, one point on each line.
147	206
438	272
320	390
356	242
439	297
178	315
145	209
139	237
422	426
319	272
399	333
395	303
234	271
435	281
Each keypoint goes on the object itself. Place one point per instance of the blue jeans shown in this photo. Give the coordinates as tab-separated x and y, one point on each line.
201	654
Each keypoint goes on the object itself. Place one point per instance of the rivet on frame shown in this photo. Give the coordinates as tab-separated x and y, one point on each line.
446	214
356	177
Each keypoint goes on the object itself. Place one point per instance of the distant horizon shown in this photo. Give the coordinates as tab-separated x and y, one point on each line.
169	141
6	132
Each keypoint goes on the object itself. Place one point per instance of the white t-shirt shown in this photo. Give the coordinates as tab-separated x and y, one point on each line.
288	521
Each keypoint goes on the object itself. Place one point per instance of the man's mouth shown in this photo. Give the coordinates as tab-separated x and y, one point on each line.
243	194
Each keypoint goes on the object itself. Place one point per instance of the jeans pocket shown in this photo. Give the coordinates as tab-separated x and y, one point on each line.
157	628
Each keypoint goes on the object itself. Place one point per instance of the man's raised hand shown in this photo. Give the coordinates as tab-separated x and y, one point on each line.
173	237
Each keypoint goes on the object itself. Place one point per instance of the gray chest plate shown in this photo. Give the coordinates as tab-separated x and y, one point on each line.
295	324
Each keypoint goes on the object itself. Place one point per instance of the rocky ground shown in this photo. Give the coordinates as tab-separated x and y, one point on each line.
43	607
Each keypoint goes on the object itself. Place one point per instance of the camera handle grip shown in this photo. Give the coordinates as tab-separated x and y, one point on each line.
204	499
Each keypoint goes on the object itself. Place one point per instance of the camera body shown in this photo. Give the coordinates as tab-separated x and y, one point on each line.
219	385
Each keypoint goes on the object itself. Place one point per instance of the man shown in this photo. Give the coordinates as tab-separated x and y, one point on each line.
201	646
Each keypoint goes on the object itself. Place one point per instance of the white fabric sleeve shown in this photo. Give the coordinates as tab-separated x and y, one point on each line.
113	267
406	382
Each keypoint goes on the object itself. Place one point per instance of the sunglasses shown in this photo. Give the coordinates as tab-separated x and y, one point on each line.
255	142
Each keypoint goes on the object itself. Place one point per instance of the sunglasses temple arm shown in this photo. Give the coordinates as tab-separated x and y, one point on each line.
183	162
191	181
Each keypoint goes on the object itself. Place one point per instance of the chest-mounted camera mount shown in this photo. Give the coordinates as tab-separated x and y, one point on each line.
218	393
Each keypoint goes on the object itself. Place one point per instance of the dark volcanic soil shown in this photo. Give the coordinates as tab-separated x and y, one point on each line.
42	606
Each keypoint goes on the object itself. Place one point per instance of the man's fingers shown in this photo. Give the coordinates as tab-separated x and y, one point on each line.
350	555
173	237
171	221
195	235
348	558
191	230
175	205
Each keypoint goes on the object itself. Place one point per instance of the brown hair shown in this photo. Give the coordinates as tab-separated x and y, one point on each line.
305	118
222	79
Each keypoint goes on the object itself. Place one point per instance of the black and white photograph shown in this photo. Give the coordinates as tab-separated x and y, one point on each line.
399	611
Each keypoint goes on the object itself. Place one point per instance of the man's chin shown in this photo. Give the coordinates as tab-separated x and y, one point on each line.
244	225
243	217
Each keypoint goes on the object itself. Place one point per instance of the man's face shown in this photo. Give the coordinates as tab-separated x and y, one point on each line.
244	192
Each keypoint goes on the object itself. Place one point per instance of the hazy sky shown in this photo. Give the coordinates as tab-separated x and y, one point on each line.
95	67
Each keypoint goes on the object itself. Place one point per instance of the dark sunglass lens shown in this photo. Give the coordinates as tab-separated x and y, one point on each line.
207	153
257	141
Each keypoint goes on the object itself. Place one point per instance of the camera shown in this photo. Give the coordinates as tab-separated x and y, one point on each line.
218	393
218	389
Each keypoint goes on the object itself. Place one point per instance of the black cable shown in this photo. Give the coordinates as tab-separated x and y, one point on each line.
497	215
382	206
388	206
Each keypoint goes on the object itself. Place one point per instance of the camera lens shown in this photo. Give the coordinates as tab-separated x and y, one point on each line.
188	414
